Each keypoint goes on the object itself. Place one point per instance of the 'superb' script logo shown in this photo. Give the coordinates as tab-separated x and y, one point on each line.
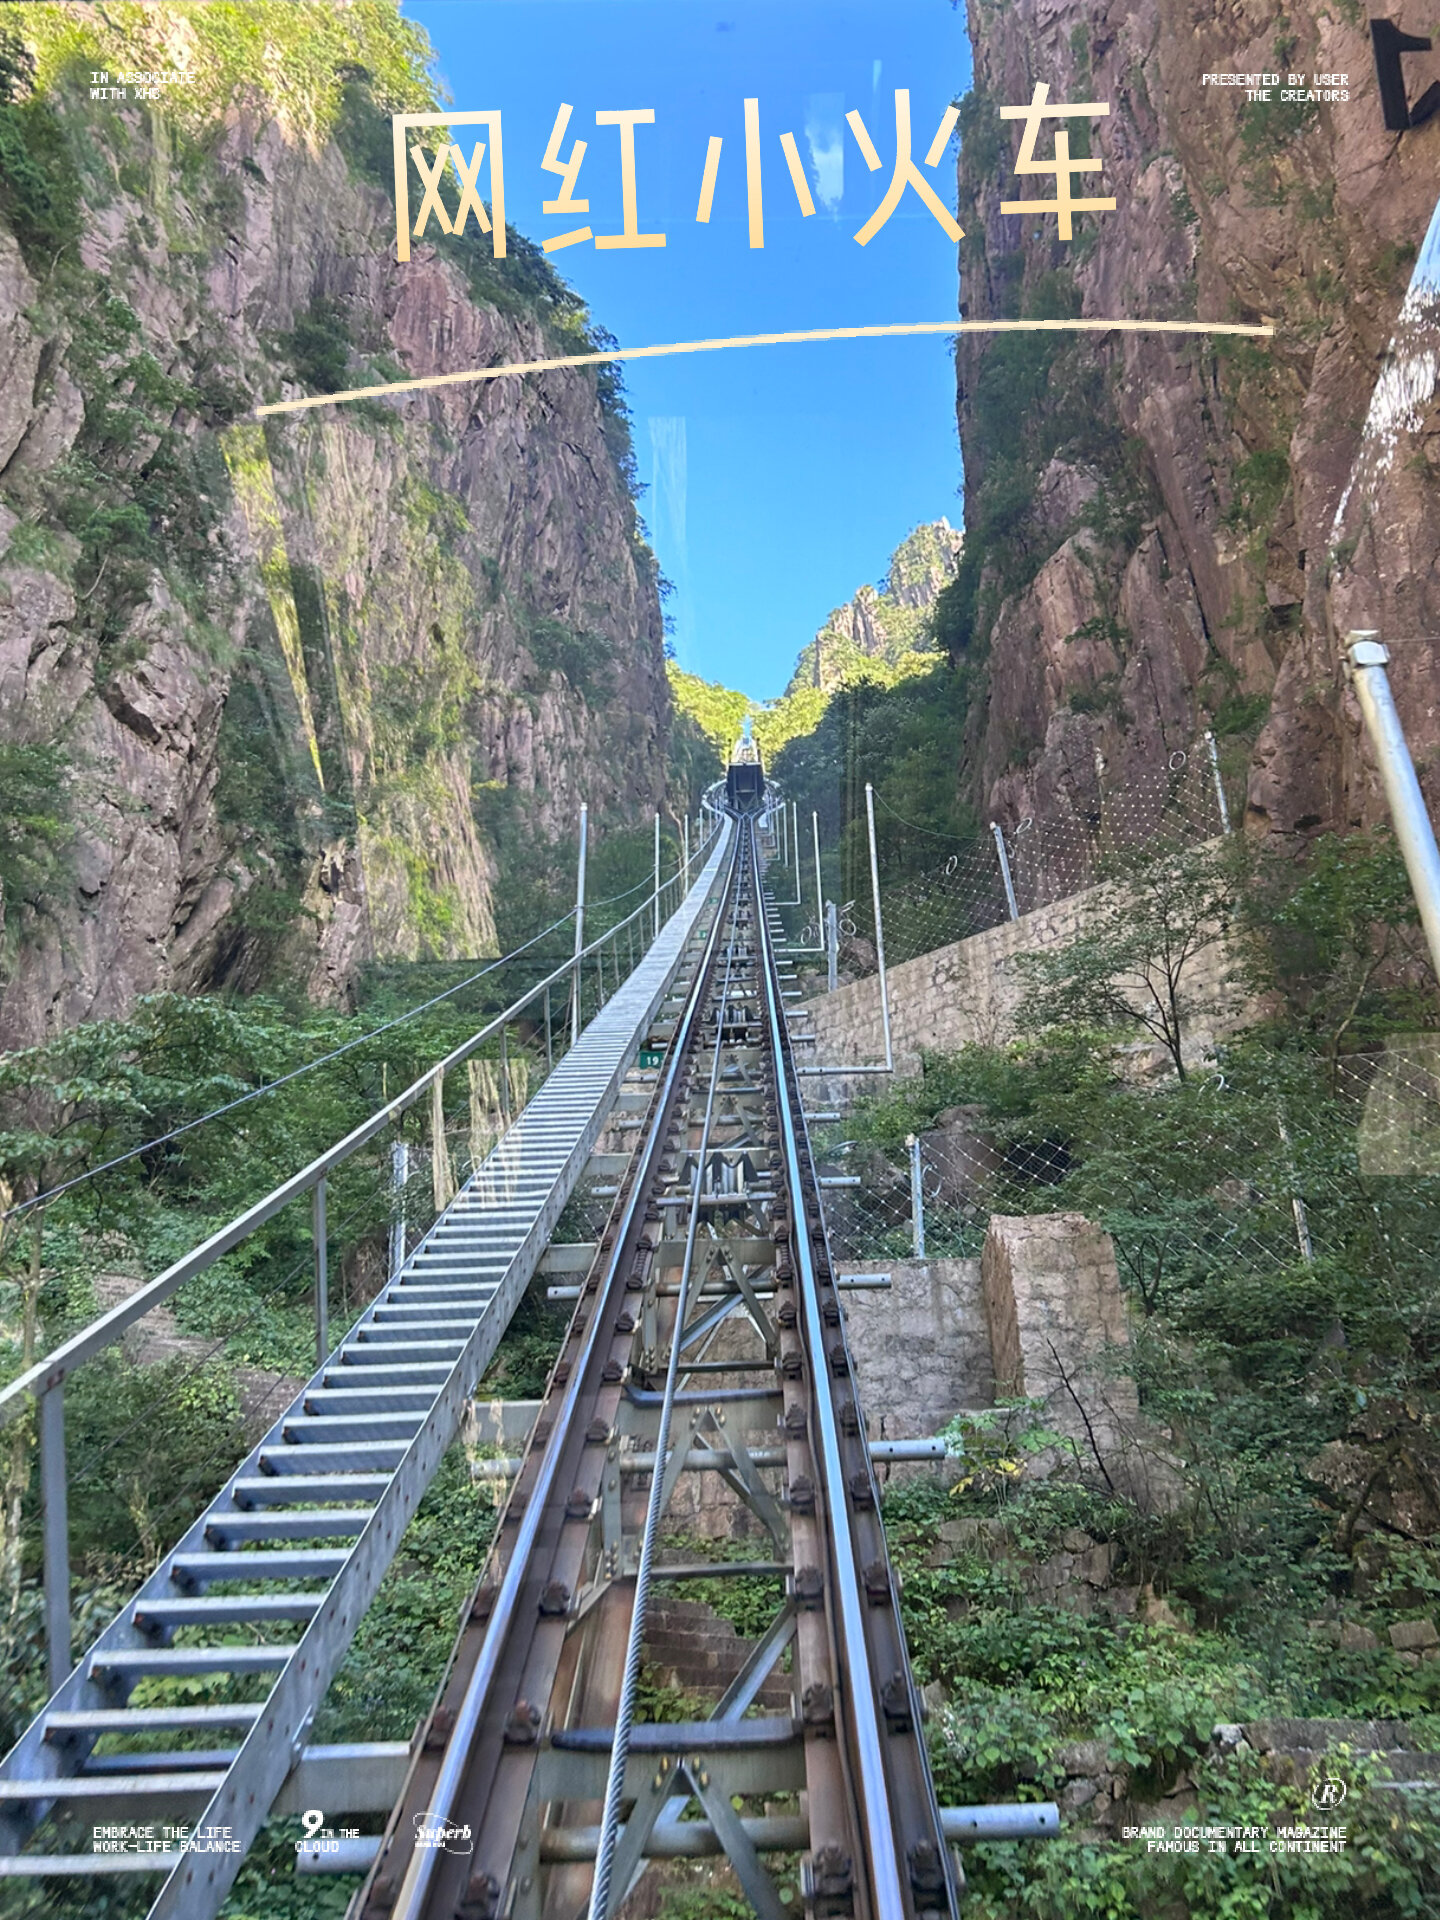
443	1834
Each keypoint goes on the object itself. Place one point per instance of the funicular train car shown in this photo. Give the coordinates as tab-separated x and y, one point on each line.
745	777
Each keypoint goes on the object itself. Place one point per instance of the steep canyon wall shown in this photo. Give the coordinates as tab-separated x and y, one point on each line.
302	677
1150	519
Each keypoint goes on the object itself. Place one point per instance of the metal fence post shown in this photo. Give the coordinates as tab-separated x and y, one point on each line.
504	1076
579	928
322	1274
832	946
879	924
1005	869
686	826
795	847
399	1179
657	879
819	897
917	1197
1220	800
549	1037
1367	656
54	1507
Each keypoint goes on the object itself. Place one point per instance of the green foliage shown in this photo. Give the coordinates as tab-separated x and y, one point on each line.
748	1601
982	137
586	660
1259	481
1338	938
530	1348
34	819
1134	963
292	62
39	186
903	740
388	1678
319	346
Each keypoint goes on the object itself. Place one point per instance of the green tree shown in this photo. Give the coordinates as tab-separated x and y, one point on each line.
1133	967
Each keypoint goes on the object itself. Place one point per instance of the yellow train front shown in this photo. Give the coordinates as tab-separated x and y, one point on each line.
745	777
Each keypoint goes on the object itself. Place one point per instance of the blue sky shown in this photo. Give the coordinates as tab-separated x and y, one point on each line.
779	478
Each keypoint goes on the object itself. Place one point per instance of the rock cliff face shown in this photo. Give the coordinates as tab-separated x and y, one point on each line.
296	668
1151	518
884	623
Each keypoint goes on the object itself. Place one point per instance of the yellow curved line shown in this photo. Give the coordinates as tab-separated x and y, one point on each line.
759	340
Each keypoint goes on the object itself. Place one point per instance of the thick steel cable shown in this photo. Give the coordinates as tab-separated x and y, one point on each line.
410	1900
630	1685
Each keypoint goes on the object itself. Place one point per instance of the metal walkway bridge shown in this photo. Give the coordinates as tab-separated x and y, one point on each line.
708	1339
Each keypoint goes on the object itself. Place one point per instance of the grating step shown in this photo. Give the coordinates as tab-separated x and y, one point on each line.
363	1353
277	1489
78	1787
177	1661
331	1429
151	1719
322	1459
363	1398
283	1563
350	1379
334	1523
229	1610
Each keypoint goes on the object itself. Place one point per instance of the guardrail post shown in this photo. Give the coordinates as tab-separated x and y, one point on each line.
54	1507
1220	800
399	1179
579	929
1367	656
795	848
686	825
879	924
832	946
549	1037
322	1274
505	1073
657	874
819	897
1005	869
917	1197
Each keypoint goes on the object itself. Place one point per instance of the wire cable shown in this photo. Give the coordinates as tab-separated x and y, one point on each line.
271	1086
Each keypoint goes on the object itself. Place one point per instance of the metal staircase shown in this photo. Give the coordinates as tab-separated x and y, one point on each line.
265	1591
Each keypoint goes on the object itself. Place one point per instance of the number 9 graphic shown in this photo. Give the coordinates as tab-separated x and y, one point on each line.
312	1820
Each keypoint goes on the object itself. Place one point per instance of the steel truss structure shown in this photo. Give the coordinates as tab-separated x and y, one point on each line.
708	1339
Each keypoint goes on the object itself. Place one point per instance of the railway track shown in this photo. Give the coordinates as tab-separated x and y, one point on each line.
708	1340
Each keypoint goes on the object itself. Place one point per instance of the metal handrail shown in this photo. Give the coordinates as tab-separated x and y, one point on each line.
57	1365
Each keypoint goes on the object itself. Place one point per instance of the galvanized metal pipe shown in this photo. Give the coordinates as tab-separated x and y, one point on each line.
1368	657
1220	800
879	924
320	1235
995	828
54	1504
579	925
399	1179
698	1840
917	1197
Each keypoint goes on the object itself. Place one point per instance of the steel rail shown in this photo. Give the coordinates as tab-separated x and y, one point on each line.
416	1885
57	1365
546	1664
881	1858
620	1749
